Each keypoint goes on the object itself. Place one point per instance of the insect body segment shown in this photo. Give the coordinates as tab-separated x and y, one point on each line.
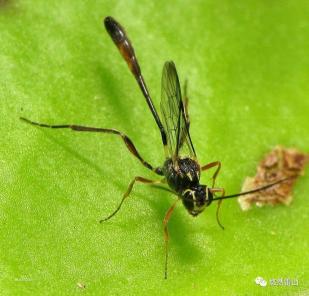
196	199
123	43
121	40
184	179
183	176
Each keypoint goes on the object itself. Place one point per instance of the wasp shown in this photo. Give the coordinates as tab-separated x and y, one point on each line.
181	170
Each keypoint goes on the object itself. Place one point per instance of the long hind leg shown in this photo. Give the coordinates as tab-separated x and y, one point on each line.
80	128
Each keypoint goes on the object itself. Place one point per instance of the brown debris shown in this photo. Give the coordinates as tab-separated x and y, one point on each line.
279	164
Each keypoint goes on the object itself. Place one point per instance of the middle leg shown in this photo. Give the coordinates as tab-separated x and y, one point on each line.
211	165
222	191
127	193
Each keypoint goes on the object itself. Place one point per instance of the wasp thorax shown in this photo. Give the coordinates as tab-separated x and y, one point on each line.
196	199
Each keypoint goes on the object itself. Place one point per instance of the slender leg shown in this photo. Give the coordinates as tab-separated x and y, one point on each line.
214	190
80	128
166	236
222	191
211	165
127	193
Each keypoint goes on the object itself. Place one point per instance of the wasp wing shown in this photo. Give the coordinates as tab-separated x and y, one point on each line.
174	119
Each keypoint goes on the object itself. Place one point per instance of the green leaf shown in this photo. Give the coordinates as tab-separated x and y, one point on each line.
247	66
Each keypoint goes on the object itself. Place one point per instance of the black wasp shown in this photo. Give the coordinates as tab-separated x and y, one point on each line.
181	170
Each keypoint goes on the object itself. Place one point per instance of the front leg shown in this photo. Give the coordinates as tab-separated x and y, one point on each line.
166	235
211	165
222	191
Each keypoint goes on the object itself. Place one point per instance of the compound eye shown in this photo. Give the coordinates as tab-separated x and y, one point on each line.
188	200
189	195
200	194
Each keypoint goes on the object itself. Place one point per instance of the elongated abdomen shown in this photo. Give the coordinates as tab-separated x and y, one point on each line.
123	43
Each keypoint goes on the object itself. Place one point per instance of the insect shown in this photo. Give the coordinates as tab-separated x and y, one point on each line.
180	170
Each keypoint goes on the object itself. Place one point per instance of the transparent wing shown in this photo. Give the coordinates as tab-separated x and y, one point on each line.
174	119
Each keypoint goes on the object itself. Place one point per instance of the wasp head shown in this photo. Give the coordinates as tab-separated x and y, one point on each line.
196	199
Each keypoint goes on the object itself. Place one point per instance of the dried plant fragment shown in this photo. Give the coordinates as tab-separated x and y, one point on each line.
279	164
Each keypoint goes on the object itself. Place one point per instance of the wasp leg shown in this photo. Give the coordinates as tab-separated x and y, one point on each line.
80	128
211	165
127	193
222	191
166	236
